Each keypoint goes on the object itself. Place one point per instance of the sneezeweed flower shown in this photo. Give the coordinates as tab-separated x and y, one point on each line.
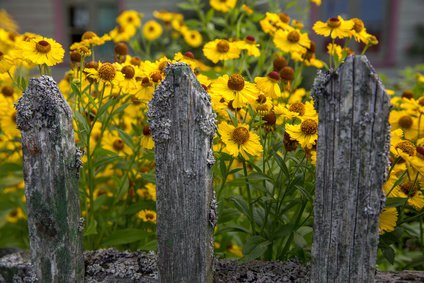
234	88
239	140
129	17
128	84
335	50
269	84
15	215
249	44
388	219
193	38
122	33
148	192
167	17
90	39
359	31
6	62
105	72
221	49
306	133
147	139
335	27
223	5
316	2
247	9
147	87
42	51
147	215
291	41
411	191
152	30
235	250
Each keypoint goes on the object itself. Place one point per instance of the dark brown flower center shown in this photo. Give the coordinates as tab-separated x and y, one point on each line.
189	54
146	131
128	71
7	91
284	17
43	46
407	147
261	98
279	63
88	35
358	25
421	101
75	56
92	65
250	39
118	145
240	135
409	189
156	77
270	118
121	49
333	22
405	122
309	127
235	82
274	75
107	72
223	46
293	36
298	107
135	61
287	73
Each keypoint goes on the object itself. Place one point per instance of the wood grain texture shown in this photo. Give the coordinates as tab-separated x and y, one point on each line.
352	160
183	124
51	171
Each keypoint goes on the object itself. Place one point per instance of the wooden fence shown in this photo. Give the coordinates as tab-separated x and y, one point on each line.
352	159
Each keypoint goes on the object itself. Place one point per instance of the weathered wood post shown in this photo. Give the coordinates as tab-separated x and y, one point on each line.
183	124
51	171
352	159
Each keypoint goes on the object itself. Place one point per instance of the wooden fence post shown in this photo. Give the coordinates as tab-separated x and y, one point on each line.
51	171
352	159
183	124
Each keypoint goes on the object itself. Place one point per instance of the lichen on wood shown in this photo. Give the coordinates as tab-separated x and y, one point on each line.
352	161
183	124
51	169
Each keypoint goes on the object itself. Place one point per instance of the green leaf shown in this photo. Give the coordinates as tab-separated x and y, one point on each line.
395	202
126	138
254	247
282	165
241	205
75	89
232	228
82	123
125	236
389	254
91	228
186	6
209	15
104	107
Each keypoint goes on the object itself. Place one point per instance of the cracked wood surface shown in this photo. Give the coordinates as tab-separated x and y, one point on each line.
352	160
51	170
183	124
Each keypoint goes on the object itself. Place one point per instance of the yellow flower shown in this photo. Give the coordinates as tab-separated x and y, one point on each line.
250	45
317	2
152	30
269	84
147	215
106	73
291	41
236	89
129	84
193	38
148	192
334	27
388	219
121	33
221	49
335	51
247	9
359	31
411	191
15	215
305	133
6	62
147	139
240	140
113	142
129	17
42	51
167	17
272	22
89	39
235	250
223	5
146	90
7	23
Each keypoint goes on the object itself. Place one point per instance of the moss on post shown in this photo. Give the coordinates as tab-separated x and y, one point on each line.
51	172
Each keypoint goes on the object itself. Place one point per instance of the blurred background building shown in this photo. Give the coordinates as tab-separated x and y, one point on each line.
398	24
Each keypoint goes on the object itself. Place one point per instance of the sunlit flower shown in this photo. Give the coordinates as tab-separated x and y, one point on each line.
335	50
106	73
6	62
43	51
15	215
292	41
147	215
334	27
234	88
359	31
147	139
388	219
193	38
239	140
167	17
221	49
249	44
223	5
129	17
122	33
152	30
306	133
269	84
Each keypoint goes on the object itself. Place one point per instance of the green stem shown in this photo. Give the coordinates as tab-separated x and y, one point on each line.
249	199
